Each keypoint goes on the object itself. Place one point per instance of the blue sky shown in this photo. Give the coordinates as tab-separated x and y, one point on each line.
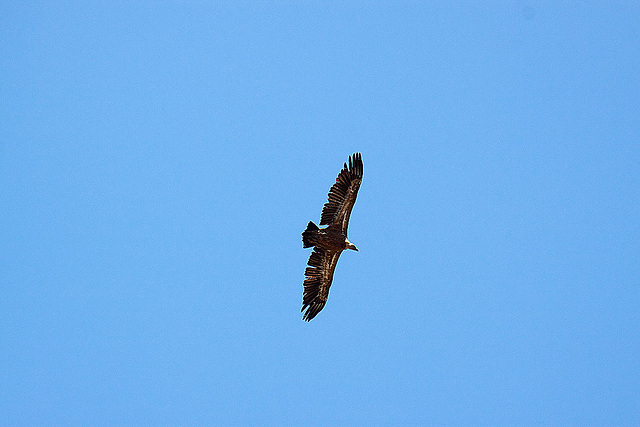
159	160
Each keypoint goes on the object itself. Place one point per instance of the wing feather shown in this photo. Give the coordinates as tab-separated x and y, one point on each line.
342	194
319	275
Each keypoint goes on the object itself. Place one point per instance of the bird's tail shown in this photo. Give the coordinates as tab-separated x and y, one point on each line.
309	235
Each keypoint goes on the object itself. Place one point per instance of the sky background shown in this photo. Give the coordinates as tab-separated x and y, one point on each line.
159	161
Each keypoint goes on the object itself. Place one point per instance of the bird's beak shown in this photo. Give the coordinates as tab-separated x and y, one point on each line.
353	247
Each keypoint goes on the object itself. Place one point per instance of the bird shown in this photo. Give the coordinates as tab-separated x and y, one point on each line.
329	242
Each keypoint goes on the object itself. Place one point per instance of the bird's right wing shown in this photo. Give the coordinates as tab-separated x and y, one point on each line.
342	194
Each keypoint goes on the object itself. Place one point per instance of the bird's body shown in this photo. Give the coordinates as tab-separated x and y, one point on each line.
329	242
330	238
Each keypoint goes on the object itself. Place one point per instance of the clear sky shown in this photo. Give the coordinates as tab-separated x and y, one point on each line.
159	160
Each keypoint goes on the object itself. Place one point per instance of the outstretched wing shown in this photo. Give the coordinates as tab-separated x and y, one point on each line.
342	194
319	275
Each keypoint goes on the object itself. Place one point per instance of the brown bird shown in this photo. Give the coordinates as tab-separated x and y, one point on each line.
329	242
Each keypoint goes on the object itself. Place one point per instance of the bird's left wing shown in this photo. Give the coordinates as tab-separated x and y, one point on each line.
319	275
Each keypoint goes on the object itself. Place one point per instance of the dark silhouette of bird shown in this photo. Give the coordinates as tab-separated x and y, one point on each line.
329	242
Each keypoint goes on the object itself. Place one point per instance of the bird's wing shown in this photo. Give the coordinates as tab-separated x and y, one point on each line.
342	194
319	275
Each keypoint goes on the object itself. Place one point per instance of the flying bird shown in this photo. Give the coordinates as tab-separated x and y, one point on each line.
329	242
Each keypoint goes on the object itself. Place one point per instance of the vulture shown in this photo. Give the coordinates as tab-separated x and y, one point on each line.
329	242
